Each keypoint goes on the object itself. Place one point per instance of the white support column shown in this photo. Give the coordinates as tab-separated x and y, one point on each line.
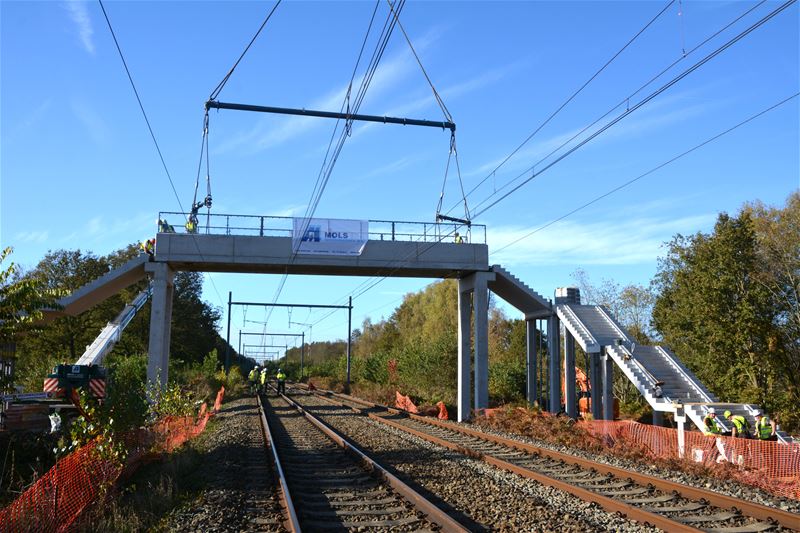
680	418
464	313
160	324
570	395
480	299
608	387
554	351
530	360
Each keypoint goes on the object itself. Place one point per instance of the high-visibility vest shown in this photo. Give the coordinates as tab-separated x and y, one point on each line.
763	428
710	426
263	377
252	375
191	227
281	376
742	425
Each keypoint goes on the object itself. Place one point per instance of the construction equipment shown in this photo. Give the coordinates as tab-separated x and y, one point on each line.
86	372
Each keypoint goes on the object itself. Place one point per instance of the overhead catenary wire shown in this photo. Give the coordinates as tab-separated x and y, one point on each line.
641	103
149	127
369	284
624	100
573	96
651	171
331	157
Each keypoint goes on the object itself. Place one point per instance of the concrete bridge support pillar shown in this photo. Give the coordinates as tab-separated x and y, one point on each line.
530	360
570	395
608	387
554	368
596	380
464	315
477	284
160	324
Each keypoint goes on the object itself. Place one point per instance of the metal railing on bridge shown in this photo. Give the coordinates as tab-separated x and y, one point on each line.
276	226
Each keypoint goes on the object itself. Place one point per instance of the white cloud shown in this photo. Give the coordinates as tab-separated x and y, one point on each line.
31	236
613	241
92	120
79	13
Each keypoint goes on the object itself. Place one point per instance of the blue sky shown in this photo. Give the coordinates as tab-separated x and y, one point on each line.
79	170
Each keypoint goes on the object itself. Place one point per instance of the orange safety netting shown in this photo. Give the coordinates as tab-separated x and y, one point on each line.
76	481
772	466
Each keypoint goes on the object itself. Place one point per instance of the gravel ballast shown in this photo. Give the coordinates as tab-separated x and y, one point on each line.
480	496
238	493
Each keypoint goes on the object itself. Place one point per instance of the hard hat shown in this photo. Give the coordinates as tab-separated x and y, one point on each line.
758	413
712	411
726	414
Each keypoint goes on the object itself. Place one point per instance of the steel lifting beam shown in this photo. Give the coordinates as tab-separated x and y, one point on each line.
213	104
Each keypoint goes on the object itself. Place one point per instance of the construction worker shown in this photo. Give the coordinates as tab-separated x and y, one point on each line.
710	426
191	224
252	376
281	377
741	427
459	239
165	227
148	247
263	379
765	428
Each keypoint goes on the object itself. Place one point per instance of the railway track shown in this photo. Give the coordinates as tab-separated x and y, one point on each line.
328	484
664	504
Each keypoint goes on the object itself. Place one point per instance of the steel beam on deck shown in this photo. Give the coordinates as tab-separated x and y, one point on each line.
329	114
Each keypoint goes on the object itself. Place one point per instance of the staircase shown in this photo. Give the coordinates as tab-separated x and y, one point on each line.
511	289
655	371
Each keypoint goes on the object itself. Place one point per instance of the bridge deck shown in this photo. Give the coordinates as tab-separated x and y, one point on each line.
273	255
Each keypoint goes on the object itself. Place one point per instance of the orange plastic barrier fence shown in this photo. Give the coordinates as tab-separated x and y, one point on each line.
59	497
404	402
771	466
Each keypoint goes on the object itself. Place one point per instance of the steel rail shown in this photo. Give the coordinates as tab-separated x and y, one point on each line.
291	523
422	504
746	508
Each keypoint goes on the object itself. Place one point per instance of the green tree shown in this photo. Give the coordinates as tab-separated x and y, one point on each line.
714	312
21	303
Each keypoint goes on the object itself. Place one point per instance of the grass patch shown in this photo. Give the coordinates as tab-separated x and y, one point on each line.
143	502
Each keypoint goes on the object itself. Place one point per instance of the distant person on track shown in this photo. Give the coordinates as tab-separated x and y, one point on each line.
765	428
281	377
252	377
741	427
263	379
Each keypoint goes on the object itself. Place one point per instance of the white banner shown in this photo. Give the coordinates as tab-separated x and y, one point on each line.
329	236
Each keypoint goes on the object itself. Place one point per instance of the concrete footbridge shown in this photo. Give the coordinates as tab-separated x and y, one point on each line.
282	245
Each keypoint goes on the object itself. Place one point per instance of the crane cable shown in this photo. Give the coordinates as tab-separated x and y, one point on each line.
453	152
221	84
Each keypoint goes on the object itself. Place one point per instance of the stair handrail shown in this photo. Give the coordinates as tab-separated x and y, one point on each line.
576	322
627	355
613	323
692	381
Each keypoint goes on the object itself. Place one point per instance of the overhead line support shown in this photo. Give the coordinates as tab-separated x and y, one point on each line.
213	104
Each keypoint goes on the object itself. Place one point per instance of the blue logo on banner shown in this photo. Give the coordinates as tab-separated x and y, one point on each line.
312	234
